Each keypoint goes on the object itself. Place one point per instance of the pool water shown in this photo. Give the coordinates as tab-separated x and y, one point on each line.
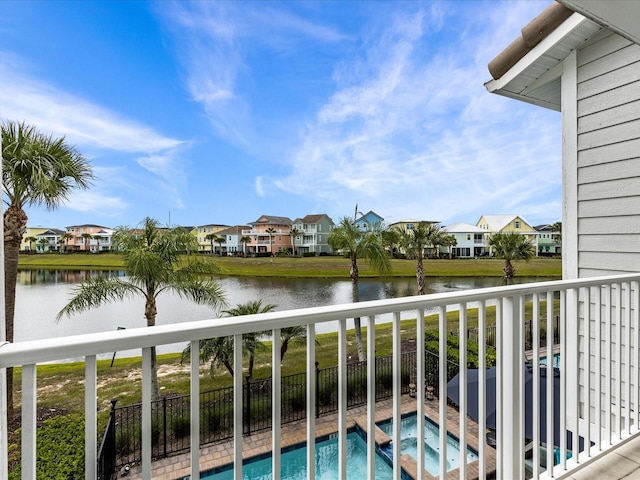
556	360
409	444
294	463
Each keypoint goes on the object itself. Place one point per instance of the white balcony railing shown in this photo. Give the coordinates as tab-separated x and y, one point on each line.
599	382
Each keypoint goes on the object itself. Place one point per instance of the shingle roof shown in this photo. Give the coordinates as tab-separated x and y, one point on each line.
269	219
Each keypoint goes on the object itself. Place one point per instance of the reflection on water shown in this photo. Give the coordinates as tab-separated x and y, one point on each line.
48	276
41	294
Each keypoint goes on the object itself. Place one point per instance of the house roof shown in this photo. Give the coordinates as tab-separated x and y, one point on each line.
414	220
51	231
236	230
462	227
498	222
313	218
272	220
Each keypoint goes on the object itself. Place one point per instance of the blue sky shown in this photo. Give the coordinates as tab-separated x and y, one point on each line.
219	112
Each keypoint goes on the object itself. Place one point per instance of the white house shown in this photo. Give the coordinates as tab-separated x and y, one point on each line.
469	240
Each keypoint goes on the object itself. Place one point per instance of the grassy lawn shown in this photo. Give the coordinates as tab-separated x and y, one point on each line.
62	385
318	267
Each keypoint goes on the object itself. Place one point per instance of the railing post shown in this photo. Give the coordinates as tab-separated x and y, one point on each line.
317	390
510	390
248	412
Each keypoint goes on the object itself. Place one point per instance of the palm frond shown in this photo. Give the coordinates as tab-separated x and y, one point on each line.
96	292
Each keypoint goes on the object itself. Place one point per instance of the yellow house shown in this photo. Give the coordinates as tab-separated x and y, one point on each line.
201	232
30	246
507	223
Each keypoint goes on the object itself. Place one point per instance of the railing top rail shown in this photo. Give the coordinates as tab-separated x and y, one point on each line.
37	351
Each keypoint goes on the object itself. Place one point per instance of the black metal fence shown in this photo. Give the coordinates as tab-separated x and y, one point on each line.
170	422
490	334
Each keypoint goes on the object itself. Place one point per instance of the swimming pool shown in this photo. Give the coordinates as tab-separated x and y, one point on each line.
294	463
556	360
409	443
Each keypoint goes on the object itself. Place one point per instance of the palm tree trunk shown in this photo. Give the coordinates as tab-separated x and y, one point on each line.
150	313
355	295
420	275
509	272
15	225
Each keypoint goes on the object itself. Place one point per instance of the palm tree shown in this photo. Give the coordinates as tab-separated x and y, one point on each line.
153	266
368	245
212	238
31	240
448	241
244	240
36	170
87	237
435	235
44	242
414	242
294	233
220	239
270	231
65	237
219	351
511	246
97	238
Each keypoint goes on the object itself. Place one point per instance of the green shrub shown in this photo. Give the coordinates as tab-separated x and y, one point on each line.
356	386
297	400
327	393
60	446
181	426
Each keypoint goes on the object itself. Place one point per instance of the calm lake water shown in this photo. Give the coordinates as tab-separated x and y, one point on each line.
41	294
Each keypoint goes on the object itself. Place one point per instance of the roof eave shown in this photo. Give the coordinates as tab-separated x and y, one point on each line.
501	85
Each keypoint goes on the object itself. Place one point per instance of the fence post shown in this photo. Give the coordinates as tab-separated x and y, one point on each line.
110	454
317	390
164	424
248	412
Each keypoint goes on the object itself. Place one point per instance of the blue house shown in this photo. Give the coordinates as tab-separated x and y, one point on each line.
369	222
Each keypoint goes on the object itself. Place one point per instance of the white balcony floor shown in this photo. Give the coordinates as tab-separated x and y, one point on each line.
618	464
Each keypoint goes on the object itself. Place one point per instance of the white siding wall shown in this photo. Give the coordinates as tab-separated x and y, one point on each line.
608	182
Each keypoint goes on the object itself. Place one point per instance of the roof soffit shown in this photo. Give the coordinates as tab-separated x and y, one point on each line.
535	78
620	16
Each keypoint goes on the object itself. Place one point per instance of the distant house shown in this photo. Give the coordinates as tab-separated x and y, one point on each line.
411	223
506	223
49	240
311	234
201	232
89	238
232	244
470	240
269	234
26	245
369	222
549	241
407	225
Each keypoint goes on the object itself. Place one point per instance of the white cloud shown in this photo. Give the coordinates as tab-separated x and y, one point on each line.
83	122
418	132
213	40
92	201
93	128
259	187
